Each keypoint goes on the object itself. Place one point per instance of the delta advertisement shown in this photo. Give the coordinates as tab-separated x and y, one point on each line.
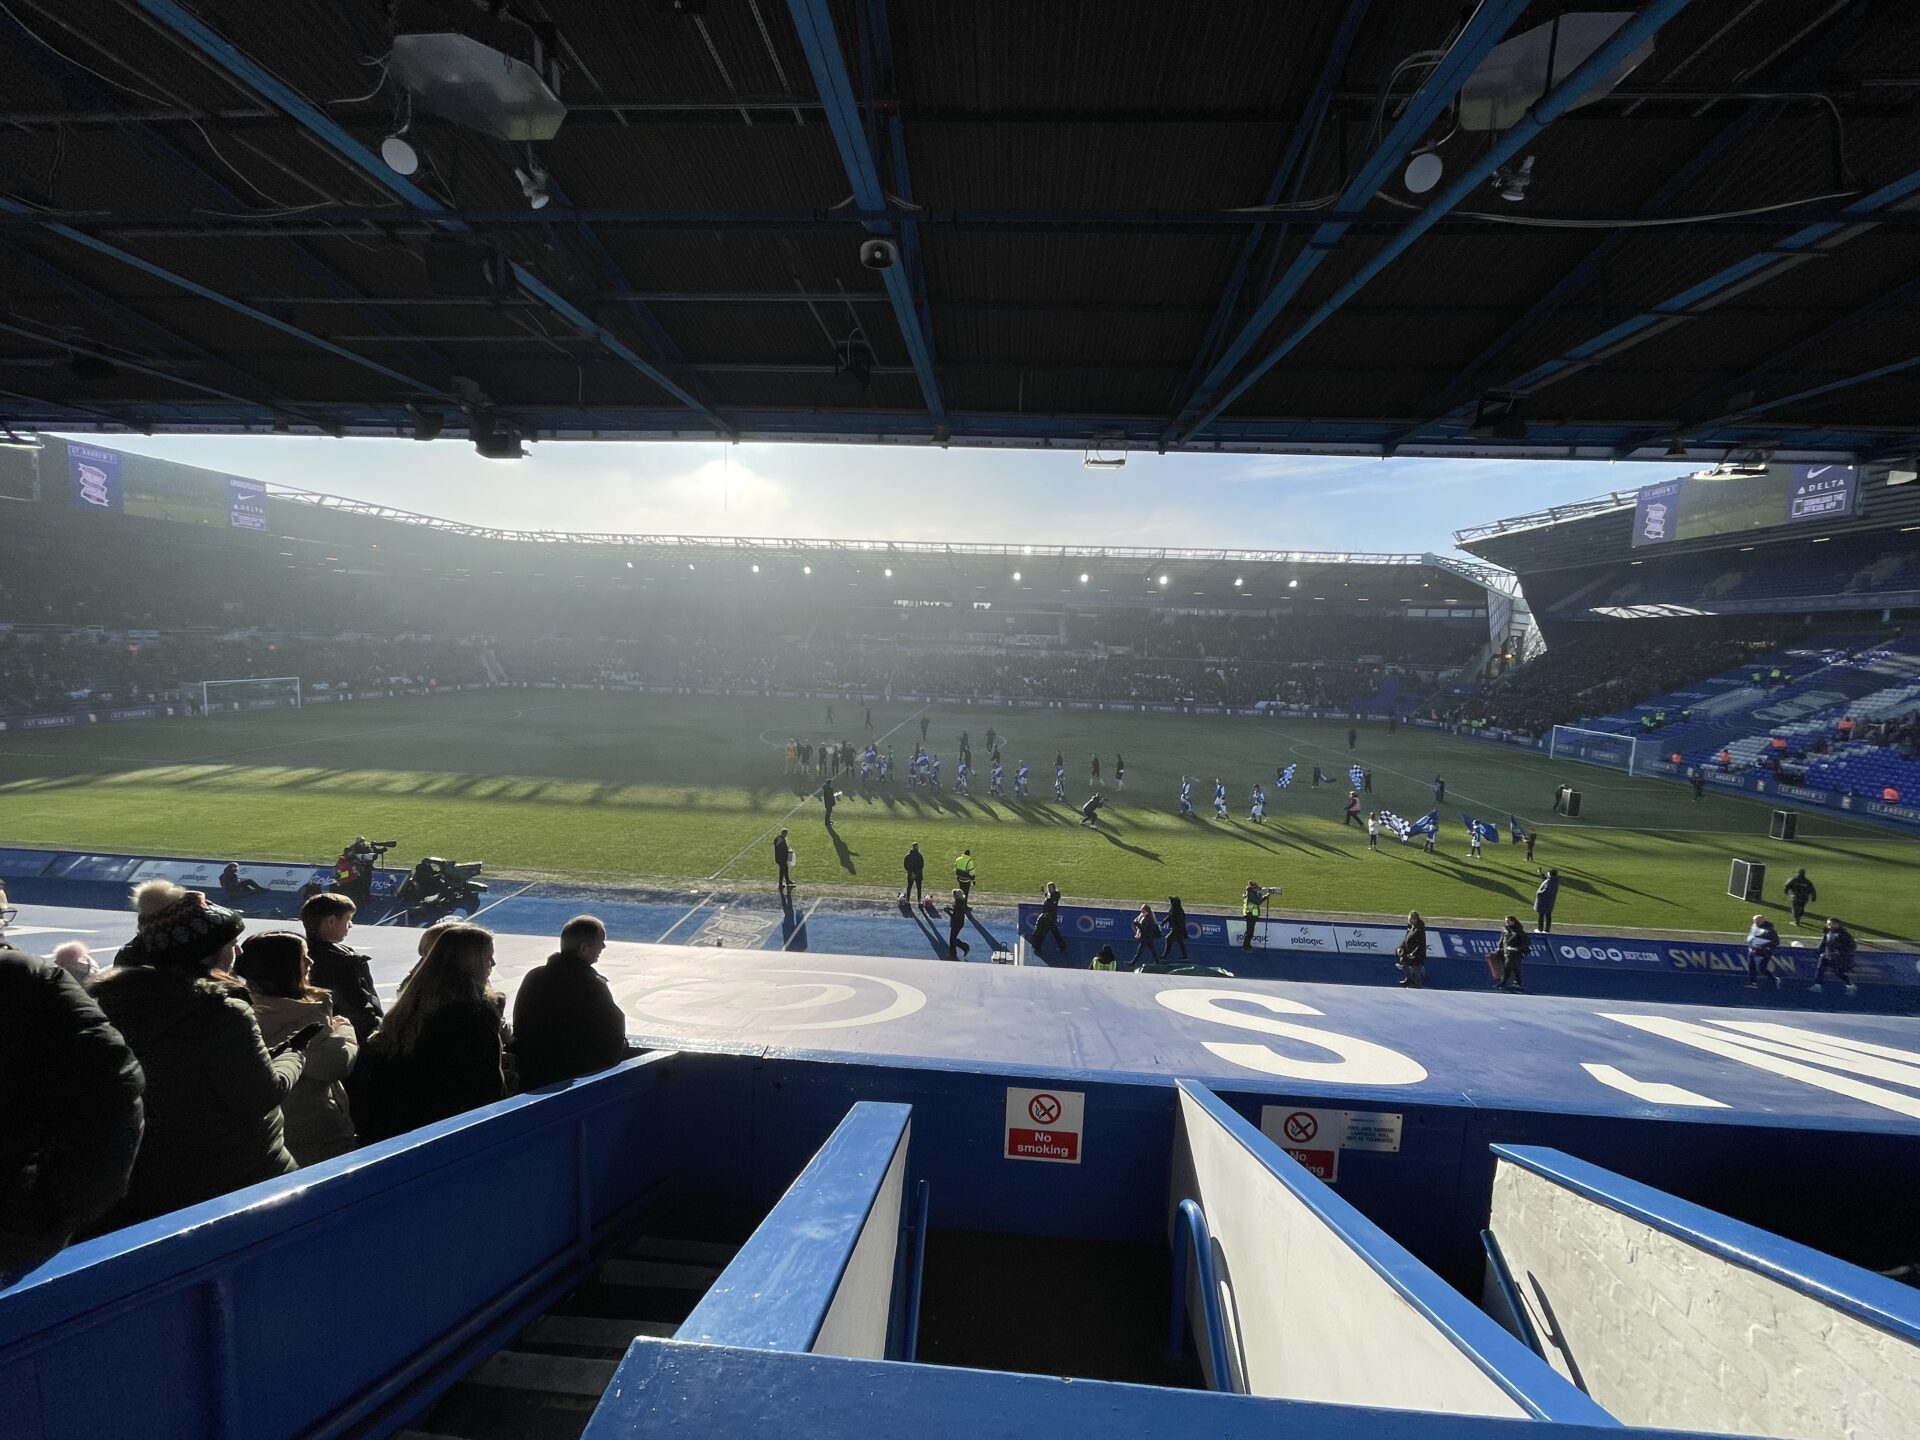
1697	507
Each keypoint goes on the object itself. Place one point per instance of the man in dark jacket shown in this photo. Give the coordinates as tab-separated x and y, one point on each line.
565	1019
1800	894
346	972
1837	949
1049	921
782	860
1544	897
70	1092
915	864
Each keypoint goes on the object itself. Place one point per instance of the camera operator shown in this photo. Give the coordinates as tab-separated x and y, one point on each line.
1257	895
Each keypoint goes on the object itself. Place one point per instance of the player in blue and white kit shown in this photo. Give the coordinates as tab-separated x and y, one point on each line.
933	772
960	773
1219	798
1186	795
1020	782
1259	804
997	773
1060	782
886	764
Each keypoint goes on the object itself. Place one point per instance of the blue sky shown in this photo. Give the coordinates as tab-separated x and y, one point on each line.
902	493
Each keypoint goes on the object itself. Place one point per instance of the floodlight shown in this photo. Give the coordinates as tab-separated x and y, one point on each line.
756	569
1238	581
533	185
1163	579
889	572
1016	577
1293	584
629	564
1084	577
806	569
1512	180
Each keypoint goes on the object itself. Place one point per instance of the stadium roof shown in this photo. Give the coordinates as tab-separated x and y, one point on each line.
1132	225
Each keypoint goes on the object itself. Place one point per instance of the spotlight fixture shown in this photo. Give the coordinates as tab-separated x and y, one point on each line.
1016	577
427	424
1512	180
806	569
854	356
1293	584
889	573
1163	579
629	564
533	185
756	569
1423	171
689	564
1238	581
396	149
494	439
1084	577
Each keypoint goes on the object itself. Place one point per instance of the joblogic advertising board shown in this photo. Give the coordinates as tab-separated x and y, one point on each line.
112	480
1697	507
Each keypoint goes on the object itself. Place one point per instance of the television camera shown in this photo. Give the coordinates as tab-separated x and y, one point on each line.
353	871
440	884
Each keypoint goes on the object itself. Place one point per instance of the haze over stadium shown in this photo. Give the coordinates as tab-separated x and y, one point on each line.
831	717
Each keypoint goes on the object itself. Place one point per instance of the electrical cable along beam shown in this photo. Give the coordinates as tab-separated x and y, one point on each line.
814	22
242	70
1486	28
1644	25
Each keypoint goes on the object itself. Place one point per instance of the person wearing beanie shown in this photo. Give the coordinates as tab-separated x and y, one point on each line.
70	1109
213	1091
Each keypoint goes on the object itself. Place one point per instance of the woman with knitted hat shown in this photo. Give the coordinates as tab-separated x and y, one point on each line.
213	1091
439	1051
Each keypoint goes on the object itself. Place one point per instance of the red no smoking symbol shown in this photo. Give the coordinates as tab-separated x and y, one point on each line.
1045	1109
1301	1127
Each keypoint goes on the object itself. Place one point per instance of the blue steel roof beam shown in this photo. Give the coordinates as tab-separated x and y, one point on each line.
1291	173
1467	383
1776	361
250	75
1483	30
881	36
1645	24
54	342
814	23
76	82
1734	279
225	302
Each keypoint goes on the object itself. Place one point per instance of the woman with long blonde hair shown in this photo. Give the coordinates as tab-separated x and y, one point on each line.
438	1052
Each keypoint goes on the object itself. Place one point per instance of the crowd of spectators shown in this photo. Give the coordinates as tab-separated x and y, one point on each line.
47	670
205	1060
1611	667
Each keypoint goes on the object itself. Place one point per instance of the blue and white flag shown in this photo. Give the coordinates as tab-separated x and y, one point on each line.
1286	777
1396	825
1481	829
1519	835
1357	776
1427	824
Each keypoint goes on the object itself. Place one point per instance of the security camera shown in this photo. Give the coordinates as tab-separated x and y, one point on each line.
878	254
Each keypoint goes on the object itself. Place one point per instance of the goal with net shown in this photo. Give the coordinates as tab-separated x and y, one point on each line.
224	697
1596	747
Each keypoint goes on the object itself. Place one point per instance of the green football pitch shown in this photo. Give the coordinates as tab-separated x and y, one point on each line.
689	791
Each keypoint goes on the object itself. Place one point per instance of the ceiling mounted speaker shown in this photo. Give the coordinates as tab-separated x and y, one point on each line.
1423	172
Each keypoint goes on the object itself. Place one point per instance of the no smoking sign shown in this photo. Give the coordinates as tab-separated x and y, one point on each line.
1316	1137
1044	1125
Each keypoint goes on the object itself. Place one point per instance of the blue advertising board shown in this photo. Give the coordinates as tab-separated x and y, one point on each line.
94	477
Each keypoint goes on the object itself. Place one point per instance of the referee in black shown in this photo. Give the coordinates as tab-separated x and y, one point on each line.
1049	921
782	858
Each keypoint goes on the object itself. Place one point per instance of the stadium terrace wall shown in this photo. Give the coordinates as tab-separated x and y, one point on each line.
1682	971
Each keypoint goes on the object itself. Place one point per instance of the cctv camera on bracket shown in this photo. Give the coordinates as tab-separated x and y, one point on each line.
879	254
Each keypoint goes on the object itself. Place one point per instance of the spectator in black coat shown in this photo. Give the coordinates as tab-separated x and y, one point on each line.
1514	944
343	972
956	924
70	1095
915	864
440	1051
213	1092
1545	897
1412	953
565	1019
1176	926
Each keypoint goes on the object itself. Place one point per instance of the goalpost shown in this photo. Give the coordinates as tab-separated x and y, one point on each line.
1595	747
275	692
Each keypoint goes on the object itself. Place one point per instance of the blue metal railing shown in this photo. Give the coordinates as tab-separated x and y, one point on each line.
1190	1232
1522	1322
913	1264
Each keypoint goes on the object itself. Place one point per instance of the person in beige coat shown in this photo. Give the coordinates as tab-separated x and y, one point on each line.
276	967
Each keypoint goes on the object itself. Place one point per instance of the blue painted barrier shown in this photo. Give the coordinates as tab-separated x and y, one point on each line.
346	1293
818	1273
1694	972
711	1392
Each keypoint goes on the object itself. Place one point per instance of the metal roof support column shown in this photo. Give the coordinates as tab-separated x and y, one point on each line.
1288	177
1484	29
882	42
1645	24
244	71
814	22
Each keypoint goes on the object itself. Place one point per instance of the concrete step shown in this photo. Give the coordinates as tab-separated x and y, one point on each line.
544	1374
592	1330
696	1252
660	1274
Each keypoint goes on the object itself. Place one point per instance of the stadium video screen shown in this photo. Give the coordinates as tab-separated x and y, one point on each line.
111	480
1697	507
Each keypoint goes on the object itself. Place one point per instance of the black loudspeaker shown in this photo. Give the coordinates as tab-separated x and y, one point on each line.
1784	825
1573	803
1748	880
